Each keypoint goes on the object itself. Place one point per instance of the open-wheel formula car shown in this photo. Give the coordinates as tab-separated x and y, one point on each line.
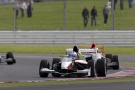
9	58
112	61
91	64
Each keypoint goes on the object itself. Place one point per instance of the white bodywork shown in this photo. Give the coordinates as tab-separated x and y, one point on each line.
94	52
66	61
3	59
64	65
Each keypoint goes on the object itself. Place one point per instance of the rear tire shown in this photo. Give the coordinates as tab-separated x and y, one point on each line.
55	61
43	64
101	67
109	56
115	59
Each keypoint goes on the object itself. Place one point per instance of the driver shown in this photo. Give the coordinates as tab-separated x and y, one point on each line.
76	53
73	55
76	49
93	46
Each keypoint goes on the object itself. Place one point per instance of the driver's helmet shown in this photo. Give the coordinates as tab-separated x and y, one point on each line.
93	45
73	55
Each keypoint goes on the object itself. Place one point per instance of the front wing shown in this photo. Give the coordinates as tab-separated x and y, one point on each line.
85	71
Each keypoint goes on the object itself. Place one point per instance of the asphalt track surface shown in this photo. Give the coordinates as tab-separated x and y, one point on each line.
27	66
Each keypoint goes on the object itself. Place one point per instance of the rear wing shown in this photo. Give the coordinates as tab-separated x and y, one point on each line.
89	46
100	47
69	50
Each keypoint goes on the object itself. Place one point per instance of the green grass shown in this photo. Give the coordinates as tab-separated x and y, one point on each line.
49	16
58	49
26	84
127	64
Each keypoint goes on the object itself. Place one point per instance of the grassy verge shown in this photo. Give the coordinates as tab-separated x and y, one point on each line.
111	80
127	64
58	49
49	16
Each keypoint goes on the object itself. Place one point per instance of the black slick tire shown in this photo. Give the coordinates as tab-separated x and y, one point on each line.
109	56
101	67
43	64
91	66
10	55
115	59
55	61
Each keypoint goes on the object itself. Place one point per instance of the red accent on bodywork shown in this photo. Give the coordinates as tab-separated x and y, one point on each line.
69	65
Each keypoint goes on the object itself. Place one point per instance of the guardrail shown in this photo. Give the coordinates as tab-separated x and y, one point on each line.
108	38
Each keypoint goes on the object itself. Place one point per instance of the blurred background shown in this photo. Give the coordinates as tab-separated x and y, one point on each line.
64	15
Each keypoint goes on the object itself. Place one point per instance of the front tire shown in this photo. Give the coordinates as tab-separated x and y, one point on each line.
10	55
101	67
43	64
55	61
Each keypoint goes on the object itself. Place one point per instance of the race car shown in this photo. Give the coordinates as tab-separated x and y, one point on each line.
9	58
112	60
91	65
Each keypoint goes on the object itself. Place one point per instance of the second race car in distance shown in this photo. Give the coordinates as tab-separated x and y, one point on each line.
9	58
